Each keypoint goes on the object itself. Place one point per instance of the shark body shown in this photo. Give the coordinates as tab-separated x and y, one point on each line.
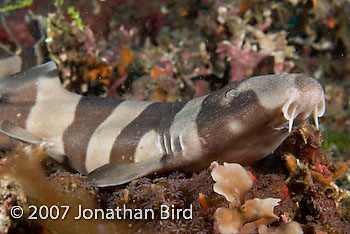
115	141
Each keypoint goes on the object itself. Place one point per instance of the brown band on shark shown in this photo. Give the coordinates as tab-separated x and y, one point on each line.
109	130
16	107
29	58
37	54
18	96
210	123
89	114
159	117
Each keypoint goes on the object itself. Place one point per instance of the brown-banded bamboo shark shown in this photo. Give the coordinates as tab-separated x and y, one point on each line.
116	141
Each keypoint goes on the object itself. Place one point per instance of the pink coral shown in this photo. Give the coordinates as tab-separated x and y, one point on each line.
243	59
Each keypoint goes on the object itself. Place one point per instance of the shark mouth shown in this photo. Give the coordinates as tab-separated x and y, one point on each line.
289	110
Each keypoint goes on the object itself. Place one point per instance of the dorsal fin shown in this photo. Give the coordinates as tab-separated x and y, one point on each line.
13	62
10	65
11	83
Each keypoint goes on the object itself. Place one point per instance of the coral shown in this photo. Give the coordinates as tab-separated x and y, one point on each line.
72	184
175	191
240	218
256	208
289	228
243	59
231	220
29	186
307	145
298	192
312	182
274	185
232	181
11	195
228	220
90	73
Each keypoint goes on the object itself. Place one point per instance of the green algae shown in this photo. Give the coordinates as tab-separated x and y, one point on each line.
76	16
340	139
16	5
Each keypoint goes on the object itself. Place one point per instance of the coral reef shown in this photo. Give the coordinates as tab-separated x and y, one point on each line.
175	191
312	182
28	187
317	204
233	181
289	228
11	195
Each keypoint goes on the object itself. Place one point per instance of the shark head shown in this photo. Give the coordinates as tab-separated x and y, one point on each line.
247	119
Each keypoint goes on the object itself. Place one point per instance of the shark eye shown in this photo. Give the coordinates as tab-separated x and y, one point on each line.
232	93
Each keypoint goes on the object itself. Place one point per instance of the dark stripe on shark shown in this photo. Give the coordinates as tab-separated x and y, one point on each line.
18	94
89	114
213	126
36	55
16	107
29	58
157	116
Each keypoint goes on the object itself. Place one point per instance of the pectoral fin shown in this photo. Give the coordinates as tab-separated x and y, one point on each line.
113	174
12	130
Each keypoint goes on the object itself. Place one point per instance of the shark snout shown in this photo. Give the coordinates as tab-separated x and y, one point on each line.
305	100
